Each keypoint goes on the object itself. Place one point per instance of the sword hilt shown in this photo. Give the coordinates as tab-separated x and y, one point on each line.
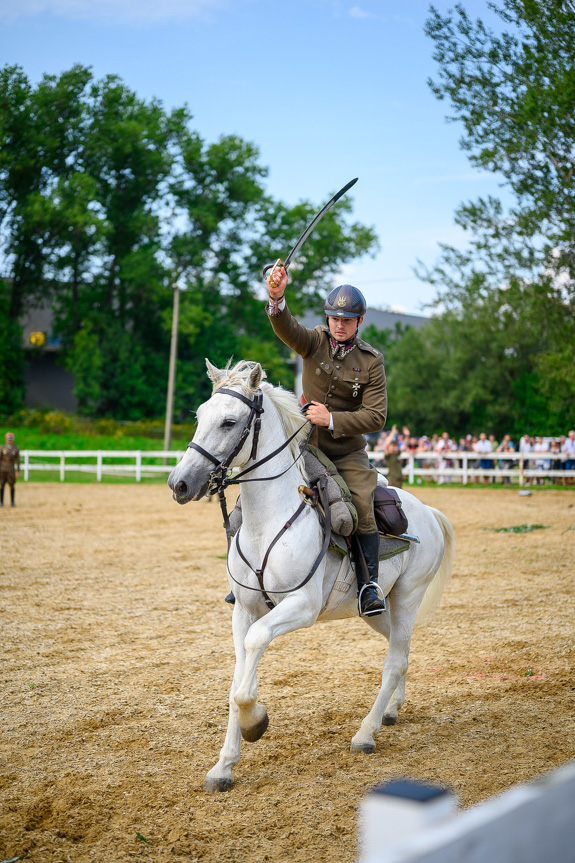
273	268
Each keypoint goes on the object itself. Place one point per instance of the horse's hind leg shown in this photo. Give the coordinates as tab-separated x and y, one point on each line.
220	777
380	623
403	609
395	703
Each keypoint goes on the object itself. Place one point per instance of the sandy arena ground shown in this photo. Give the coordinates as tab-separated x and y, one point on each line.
118	658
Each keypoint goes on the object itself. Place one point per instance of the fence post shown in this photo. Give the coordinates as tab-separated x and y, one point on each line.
26	465
521	469
138	466
62	465
397	811
465	465
99	466
411	466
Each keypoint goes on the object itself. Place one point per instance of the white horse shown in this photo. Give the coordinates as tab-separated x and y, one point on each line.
286	547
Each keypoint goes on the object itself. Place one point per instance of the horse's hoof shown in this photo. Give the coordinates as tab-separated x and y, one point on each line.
366	748
389	720
256	731
222	784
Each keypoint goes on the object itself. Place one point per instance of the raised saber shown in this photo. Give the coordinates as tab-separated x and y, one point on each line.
308	230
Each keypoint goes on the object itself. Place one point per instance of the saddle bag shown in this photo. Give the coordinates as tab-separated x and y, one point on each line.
343	512
389	515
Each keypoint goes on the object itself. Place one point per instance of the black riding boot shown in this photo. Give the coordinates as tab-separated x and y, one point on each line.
230	598
2	496
12	493
371	600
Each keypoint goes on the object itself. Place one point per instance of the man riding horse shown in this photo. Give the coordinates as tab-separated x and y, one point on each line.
344	384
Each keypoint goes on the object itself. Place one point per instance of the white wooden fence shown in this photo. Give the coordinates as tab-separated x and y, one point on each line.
530	823
519	468
138	463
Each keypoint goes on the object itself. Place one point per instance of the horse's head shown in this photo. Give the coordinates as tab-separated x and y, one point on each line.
225	429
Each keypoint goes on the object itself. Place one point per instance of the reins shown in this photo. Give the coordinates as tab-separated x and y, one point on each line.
259	573
219	480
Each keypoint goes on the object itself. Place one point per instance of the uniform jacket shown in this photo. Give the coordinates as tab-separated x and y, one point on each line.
9	457
353	388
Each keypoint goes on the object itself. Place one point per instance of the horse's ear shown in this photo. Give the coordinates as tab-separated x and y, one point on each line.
214	374
255	377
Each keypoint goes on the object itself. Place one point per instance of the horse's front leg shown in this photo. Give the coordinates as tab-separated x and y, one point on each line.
220	777
296	611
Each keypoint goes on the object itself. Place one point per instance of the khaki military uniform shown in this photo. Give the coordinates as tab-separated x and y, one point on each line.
353	389
9	464
393	465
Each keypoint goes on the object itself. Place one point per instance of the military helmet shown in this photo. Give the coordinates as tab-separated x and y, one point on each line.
345	302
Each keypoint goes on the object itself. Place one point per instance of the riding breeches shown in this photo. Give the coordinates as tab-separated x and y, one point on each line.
361	479
7	476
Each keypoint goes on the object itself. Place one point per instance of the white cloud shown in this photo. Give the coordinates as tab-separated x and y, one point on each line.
357	12
361	14
110	11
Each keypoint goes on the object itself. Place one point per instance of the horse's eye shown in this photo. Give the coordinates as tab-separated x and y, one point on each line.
228	424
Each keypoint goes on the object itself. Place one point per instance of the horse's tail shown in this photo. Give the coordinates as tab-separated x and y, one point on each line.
435	588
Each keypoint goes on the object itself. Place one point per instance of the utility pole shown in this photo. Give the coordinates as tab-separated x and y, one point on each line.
172	372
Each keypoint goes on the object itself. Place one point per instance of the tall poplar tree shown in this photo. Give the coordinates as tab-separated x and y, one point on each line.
504	353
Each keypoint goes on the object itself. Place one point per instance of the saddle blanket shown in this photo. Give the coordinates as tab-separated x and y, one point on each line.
345	584
389	546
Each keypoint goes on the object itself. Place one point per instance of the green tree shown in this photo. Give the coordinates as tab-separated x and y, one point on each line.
40	131
12	367
215	191
127	160
107	201
470	371
513	92
233	229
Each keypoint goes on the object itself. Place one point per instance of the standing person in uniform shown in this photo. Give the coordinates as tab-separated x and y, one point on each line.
9	467
393	461
344	382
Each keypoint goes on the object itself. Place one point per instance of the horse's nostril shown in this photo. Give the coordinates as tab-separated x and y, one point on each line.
181	489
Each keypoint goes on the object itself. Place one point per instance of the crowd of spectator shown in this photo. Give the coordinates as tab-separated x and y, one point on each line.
440	451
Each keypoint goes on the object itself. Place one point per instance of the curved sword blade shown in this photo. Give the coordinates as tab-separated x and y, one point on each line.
315	221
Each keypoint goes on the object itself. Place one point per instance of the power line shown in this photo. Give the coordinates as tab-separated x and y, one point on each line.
392	279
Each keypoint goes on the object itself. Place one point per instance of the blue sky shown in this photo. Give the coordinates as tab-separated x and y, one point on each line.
327	89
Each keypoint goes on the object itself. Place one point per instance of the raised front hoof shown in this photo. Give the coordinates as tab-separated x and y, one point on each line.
364	748
256	731
222	784
389	720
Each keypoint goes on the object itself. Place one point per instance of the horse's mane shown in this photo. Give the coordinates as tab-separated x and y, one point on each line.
283	400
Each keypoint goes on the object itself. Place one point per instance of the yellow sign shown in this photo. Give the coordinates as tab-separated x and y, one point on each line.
38	339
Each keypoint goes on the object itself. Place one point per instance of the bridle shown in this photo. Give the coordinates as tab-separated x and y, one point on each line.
219	480
219	477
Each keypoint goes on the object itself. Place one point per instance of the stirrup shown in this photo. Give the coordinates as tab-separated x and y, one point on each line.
375	610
